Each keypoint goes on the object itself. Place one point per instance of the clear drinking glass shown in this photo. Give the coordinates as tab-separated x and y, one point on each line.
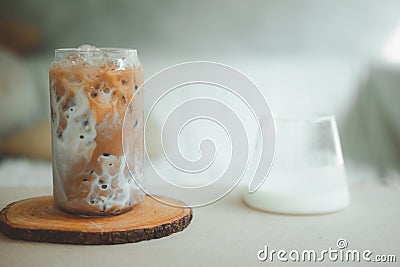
90	93
308	174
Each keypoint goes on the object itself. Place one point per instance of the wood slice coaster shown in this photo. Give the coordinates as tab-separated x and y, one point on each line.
38	219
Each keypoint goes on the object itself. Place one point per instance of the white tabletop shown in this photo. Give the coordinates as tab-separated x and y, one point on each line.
228	233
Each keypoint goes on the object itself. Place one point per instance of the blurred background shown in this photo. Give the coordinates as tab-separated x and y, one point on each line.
338	57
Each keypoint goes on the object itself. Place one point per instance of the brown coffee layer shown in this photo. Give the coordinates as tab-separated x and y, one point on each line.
88	105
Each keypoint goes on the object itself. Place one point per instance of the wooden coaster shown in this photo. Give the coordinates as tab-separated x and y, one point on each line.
38	219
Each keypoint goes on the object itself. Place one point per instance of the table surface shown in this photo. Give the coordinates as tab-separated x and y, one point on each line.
228	233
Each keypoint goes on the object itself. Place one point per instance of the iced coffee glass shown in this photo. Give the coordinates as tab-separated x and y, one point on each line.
91	90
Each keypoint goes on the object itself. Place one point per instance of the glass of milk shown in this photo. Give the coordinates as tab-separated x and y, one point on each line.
308	174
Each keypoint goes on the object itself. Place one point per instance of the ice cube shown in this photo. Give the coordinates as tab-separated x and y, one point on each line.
90	54
87	47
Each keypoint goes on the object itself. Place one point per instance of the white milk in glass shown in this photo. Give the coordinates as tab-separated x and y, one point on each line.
302	191
308	174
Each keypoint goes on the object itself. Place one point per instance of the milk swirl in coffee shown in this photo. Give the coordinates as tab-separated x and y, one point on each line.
90	93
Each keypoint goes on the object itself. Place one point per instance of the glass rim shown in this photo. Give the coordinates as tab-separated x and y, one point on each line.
311	117
100	50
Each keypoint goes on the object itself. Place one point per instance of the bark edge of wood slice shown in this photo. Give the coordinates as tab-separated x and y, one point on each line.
38	219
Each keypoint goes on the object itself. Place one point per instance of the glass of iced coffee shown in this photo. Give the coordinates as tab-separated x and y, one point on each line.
91	91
